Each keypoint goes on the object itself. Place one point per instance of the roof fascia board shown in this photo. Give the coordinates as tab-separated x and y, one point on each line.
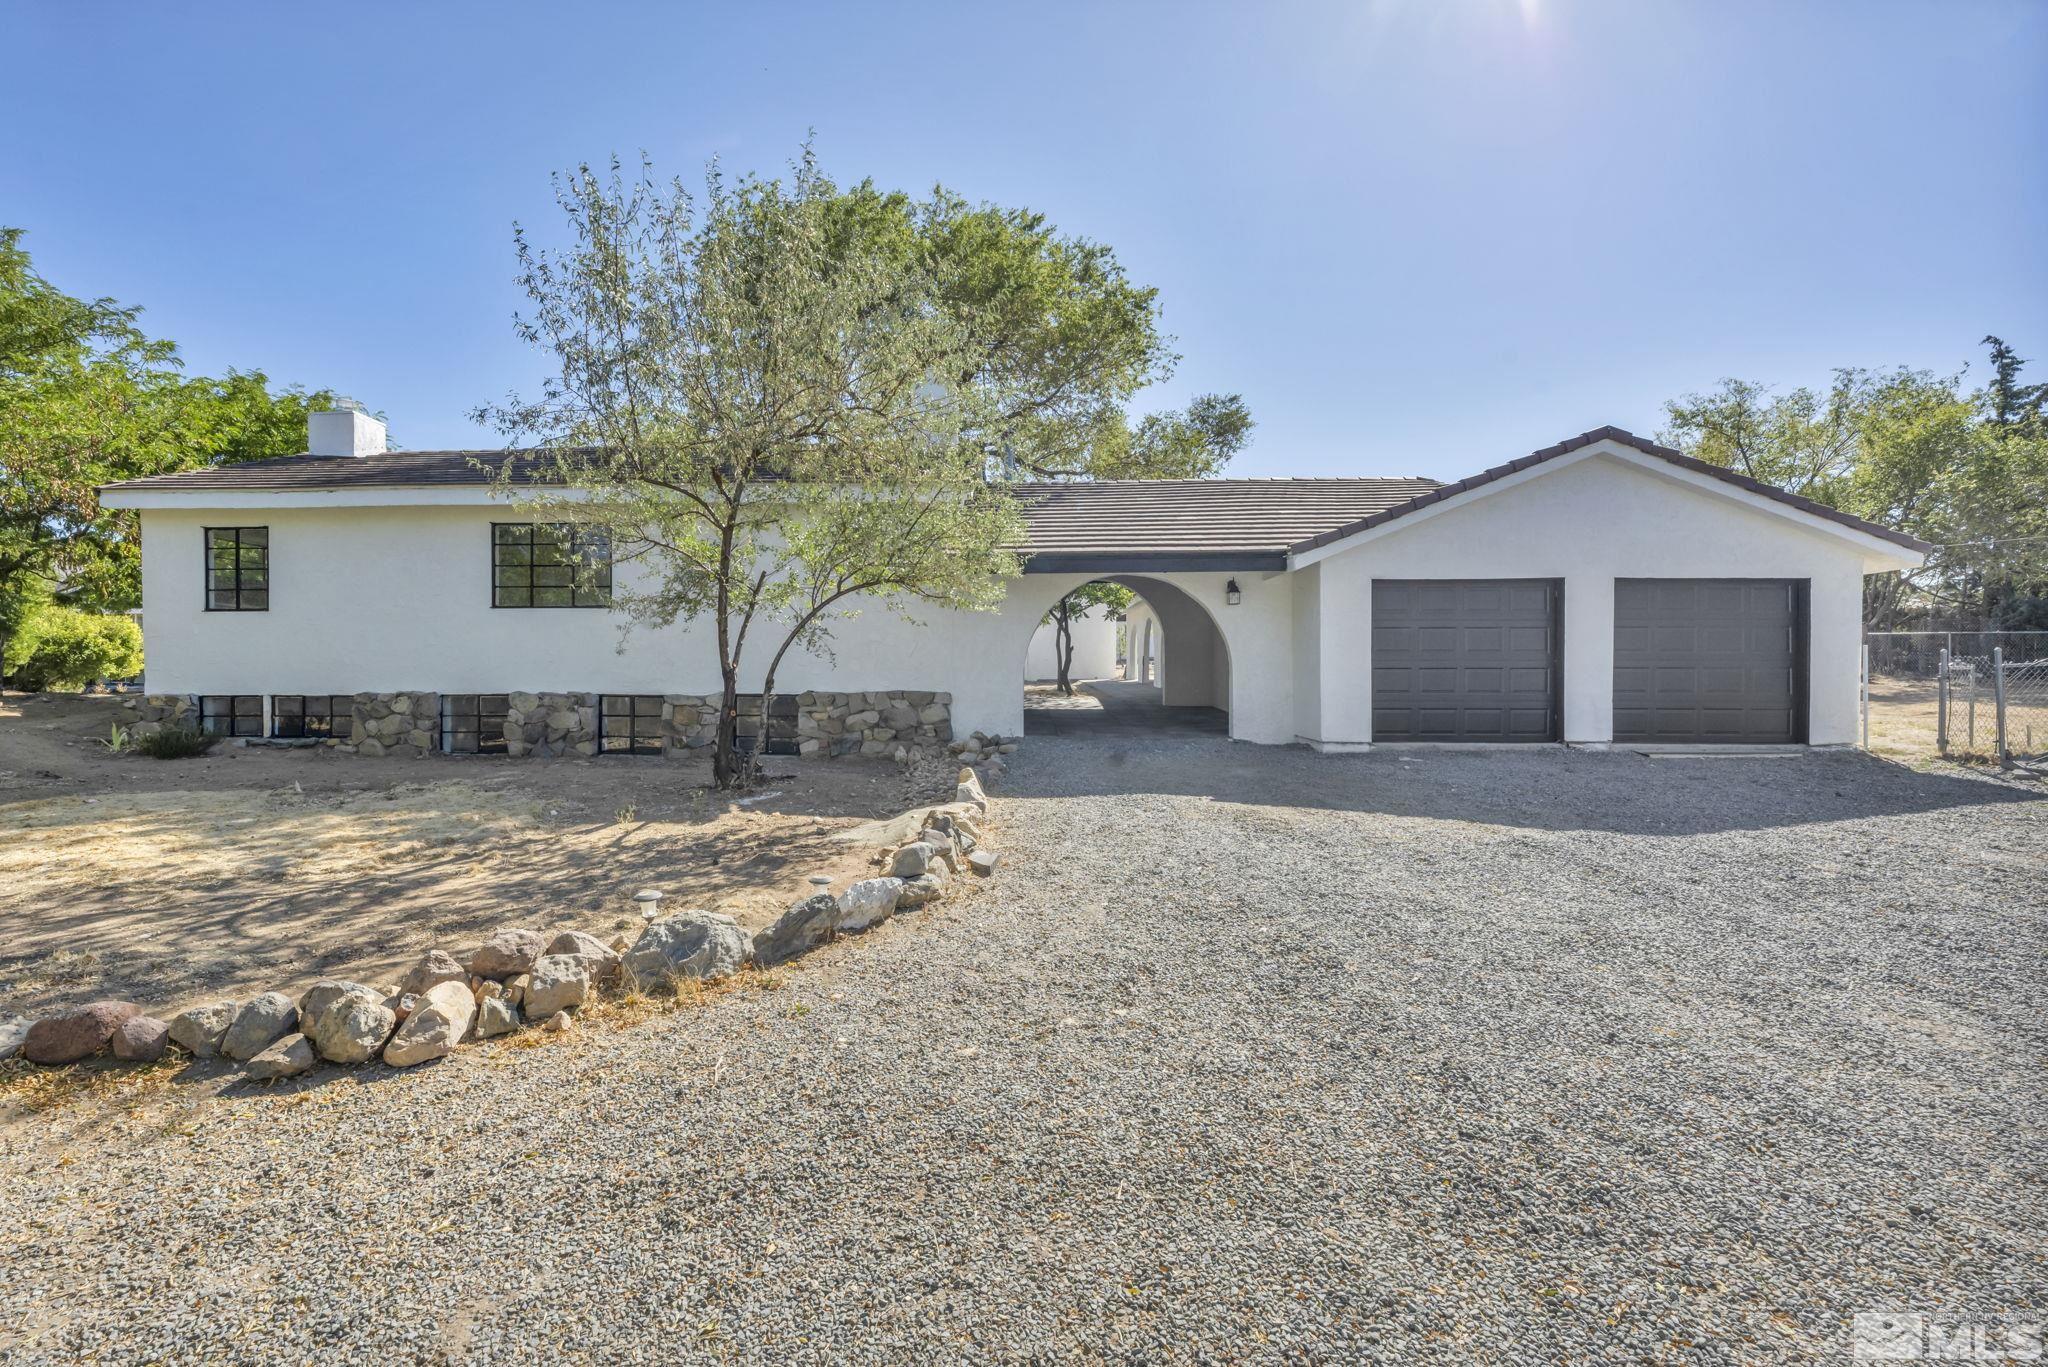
1152	562
448	496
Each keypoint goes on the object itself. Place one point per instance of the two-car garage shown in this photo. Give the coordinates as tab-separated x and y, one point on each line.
1696	661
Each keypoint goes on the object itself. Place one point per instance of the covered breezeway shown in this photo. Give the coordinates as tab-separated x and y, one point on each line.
1115	709
1176	677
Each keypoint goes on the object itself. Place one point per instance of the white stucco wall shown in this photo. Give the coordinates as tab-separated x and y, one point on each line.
383	598
1589	523
1141	634
1094	635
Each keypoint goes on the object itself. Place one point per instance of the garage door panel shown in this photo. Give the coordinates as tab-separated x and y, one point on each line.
1707	661
1465	660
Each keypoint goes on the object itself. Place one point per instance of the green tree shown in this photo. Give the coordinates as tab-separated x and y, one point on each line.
1910	450
1115	598
1060	340
86	399
68	649
746	414
793	402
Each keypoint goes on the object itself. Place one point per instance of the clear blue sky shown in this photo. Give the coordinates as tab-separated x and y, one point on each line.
1419	236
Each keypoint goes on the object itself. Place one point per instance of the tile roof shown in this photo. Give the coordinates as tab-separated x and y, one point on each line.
1200	516
392	470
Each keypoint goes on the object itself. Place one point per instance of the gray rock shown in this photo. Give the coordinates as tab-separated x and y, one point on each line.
509	950
798	929
557	1023
435	966
439	1023
13	1031
558	982
689	944
198	1031
346	1022
969	789
496	1016
603	961
911	861
983	862
868	901
261	1022
287	1057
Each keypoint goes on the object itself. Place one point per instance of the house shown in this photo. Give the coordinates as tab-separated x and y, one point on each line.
1602	590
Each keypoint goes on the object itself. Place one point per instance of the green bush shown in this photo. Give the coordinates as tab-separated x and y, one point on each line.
64	649
174	742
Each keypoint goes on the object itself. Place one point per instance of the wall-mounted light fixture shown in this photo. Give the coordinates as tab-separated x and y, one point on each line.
1232	594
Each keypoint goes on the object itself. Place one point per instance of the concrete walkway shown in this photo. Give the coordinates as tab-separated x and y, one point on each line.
1112	709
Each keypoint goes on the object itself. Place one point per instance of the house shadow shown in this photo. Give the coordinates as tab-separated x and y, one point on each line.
1548	788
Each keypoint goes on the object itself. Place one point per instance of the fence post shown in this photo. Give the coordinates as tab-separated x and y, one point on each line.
1866	696
1998	696
1941	706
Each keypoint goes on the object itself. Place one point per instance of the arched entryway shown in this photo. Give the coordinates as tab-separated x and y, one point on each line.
1172	676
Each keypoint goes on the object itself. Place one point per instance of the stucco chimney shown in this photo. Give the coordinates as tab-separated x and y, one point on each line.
345	430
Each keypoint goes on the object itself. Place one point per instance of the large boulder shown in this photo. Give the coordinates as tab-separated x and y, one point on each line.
689	944
346	1022
81	1032
439	1023
261	1022
198	1030
140	1039
557	982
798	929
436	966
496	1016
868	901
13	1032
600	958
509	950
287	1057
969	789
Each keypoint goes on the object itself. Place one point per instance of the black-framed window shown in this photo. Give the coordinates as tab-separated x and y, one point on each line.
474	723
536	564
238	569
231	714
780	725
629	724
308	716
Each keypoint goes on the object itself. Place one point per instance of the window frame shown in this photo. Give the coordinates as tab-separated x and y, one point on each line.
599	597
277	717
644	731
236	715
452	712
208	590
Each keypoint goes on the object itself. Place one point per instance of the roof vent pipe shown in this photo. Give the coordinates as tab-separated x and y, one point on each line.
347	429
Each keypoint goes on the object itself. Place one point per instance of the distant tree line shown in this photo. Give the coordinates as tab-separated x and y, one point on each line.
1963	468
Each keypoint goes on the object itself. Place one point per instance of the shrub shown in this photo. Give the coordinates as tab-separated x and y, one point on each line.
175	742
63	648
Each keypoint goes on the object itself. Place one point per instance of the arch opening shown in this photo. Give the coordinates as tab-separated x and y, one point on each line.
1161	666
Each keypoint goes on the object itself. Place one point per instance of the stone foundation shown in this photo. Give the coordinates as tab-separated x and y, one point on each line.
547	724
382	722
832	724
827	725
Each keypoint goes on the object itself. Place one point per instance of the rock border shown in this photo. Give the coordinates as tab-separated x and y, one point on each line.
519	977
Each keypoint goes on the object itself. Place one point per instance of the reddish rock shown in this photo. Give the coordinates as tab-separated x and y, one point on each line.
78	1033
141	1039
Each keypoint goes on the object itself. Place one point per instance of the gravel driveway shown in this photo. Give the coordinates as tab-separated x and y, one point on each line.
1247	1054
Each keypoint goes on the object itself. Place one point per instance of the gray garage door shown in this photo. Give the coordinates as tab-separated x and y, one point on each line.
1709	661
1465	659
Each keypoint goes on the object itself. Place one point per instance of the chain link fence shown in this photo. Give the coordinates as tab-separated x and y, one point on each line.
1982	694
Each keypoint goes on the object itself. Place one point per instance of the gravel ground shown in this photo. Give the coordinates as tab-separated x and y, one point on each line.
1247	1054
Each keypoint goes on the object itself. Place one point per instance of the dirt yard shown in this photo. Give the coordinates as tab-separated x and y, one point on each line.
251	868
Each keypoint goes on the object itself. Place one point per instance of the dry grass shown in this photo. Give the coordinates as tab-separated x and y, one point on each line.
1903	725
